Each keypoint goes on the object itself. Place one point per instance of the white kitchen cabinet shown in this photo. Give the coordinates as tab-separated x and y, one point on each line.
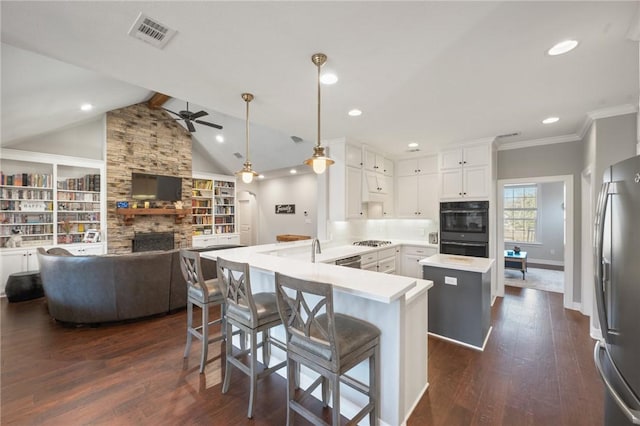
353	185
465	173
200	241
418	196
388	203
417	188
411	255
414	166
18	260
353	156
383	260
345	183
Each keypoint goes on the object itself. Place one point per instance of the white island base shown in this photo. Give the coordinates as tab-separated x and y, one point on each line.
399	310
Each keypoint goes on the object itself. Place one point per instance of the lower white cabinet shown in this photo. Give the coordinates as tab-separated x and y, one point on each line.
88	249
411	255
201	241
383	260
17	260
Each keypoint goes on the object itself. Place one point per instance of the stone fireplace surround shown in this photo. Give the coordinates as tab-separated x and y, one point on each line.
140	139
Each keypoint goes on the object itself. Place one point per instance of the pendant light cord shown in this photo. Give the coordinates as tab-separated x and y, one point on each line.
247	128
319	66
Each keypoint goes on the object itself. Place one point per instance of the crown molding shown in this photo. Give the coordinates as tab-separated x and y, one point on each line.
539	142
612	111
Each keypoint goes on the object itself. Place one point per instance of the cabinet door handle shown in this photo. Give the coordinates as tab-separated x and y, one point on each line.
464	193
459	162
464	162
459	193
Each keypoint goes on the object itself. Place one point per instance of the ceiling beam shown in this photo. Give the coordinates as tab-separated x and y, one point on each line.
157	100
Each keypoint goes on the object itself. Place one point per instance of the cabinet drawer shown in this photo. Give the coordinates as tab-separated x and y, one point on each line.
370	267
385	253
419	251
387	266
369	258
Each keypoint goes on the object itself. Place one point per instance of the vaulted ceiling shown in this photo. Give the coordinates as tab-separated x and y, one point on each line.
435	73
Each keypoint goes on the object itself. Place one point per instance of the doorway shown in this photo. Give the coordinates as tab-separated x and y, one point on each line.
247	217
568	208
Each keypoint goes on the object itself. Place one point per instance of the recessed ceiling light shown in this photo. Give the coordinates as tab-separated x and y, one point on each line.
562	47
355	113
220	138
86	107
328	78
293	171
550	120
413	145
260	176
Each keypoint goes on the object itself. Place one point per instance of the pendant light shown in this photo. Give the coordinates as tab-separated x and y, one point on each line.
319	161
246	173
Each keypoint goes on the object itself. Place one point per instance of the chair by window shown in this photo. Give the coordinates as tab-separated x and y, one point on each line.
328	343
251	314
204	294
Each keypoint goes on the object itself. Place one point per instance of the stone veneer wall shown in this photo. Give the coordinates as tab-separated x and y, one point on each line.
140	139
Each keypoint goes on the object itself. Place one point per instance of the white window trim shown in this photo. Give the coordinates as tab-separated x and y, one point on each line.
537	241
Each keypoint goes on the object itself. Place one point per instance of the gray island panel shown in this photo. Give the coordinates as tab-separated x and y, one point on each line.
461	312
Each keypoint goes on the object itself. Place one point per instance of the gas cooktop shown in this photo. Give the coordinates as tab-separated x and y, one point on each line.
372	243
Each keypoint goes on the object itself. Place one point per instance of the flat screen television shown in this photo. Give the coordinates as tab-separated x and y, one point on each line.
147	187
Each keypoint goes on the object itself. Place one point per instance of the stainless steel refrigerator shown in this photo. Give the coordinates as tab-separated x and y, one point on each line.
617	291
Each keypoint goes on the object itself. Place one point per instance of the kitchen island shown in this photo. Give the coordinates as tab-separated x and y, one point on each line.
396	305
460	301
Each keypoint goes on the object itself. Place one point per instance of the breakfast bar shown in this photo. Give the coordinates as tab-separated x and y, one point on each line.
395	304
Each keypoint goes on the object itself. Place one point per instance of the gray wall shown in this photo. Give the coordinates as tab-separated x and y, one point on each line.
300	190
550	160
551	226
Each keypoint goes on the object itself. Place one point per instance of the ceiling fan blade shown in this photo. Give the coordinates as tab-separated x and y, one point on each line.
190	125
168	110
198	115
206	123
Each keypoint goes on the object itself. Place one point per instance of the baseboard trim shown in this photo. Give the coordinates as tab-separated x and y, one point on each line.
468	345
414	405
531	261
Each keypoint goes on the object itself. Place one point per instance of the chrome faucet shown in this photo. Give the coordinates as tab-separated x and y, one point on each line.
315	248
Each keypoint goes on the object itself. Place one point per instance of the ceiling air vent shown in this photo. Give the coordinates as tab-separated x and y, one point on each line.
296	139
151	31
508	135
413	150
237	154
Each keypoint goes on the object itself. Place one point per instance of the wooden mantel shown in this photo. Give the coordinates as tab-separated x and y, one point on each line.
130	214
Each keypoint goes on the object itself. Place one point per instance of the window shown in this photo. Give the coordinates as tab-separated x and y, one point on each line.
521	213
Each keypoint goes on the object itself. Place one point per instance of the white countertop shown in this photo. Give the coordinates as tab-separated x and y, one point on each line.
294	259
462	263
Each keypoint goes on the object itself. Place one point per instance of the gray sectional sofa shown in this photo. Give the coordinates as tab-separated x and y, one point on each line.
106	288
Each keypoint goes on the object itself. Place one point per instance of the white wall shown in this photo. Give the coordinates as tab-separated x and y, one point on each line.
300	190
85	140
384	229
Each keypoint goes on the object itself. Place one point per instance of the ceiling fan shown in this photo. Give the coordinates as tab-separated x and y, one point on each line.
192	117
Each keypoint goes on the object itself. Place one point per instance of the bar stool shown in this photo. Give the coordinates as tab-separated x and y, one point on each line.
328	343
251	314
204	294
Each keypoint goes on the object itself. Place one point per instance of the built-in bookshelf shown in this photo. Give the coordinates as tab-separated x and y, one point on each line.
78	204
50	200
213	205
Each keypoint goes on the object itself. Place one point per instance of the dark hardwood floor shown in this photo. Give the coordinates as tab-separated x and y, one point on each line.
536	370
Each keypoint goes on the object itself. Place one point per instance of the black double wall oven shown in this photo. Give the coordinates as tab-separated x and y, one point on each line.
464	228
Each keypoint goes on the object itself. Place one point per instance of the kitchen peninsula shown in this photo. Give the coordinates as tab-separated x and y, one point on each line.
460	302
397	305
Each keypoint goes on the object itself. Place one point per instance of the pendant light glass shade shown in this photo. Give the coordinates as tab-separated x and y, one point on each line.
319	161
247	174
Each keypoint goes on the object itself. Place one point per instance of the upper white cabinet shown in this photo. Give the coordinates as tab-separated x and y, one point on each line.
377	162
353	156
417	188
465	173
345	182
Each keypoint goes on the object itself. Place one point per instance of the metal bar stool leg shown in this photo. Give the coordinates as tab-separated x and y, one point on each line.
189	327
205	336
